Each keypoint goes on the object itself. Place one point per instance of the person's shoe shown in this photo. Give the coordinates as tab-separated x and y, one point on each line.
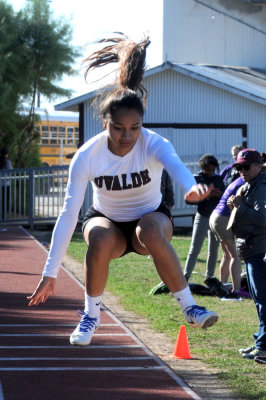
247	350
199	317
217	287
83	333
234	294
159	289
254	353
260	359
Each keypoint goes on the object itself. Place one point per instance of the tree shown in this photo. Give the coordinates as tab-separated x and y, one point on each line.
37	53
13	83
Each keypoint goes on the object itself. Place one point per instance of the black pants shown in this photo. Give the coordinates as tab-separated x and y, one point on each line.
128	227
5	200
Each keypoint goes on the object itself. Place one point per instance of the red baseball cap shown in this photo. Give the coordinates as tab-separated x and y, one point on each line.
248	156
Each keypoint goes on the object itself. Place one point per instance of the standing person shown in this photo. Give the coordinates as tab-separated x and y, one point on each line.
229	174
167	190
208	164
5	163
250	230
124	164
230	263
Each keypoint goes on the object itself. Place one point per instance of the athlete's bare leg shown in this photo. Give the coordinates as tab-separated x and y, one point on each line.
105	242
152	236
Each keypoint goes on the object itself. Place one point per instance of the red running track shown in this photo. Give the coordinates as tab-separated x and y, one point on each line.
37	361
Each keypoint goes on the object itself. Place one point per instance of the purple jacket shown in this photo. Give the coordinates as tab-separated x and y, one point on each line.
229	174
222	207
224	173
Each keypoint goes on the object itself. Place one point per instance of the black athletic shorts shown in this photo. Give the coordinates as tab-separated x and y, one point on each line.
127	228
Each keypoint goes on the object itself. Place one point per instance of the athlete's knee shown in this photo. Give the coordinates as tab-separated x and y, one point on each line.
100	239
150	232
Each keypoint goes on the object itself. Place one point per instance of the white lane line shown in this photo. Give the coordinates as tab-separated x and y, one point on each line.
167	369
1	392
182	384
34	239
73	358
35	325
178	380
122	346
83	369
55	334
44	325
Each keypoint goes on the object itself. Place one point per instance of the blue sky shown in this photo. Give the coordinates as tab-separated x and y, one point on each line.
94	19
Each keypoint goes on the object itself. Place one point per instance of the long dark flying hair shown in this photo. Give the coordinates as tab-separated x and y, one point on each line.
128	90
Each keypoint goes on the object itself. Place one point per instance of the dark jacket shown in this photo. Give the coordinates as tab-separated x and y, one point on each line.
207	206
167	190
250	219
5	164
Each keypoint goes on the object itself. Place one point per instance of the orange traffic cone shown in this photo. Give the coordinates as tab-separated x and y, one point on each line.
181	349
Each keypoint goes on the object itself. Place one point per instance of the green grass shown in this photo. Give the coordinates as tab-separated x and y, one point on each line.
131	278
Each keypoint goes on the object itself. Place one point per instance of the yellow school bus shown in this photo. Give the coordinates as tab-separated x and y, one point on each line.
59	136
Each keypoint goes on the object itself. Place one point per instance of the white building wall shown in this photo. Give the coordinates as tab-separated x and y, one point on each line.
175	98
248	12
92	123
194	33
92	126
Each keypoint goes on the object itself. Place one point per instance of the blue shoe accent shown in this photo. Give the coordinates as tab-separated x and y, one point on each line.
82	335
200	317
86	322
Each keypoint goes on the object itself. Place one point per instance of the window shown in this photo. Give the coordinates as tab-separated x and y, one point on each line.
53	135
76	134
62	134
44	131
70	132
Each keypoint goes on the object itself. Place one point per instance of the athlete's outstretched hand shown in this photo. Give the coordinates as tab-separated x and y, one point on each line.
45	288
198	193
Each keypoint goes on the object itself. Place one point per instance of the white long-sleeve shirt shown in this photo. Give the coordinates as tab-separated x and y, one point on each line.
124	188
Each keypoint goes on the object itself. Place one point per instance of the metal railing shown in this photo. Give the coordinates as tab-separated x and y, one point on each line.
31	196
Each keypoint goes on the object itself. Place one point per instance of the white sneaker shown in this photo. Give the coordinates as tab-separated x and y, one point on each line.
83	333
199	317
247	350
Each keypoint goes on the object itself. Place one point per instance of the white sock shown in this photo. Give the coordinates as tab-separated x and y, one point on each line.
184	298
92	305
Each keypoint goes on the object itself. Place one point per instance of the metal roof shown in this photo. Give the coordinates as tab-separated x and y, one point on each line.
243	81
256	1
